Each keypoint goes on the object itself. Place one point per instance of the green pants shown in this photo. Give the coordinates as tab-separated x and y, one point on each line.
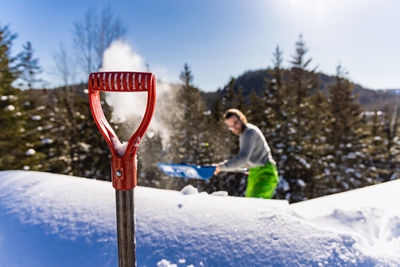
262	181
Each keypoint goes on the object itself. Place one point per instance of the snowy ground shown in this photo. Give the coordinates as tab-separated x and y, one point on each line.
56	220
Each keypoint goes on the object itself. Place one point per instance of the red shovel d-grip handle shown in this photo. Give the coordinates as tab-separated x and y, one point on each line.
123	166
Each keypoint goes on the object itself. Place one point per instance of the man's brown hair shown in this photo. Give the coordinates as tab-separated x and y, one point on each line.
235	112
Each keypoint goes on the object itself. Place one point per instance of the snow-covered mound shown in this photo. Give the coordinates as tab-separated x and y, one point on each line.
55	220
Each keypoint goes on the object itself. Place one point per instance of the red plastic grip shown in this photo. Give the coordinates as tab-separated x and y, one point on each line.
121	81
123	167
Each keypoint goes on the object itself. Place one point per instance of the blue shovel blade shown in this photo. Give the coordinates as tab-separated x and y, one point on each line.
187	170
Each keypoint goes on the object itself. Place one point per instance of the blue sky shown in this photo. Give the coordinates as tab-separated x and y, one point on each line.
224	38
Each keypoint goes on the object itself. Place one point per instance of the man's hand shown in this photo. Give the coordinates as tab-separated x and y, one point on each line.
217	170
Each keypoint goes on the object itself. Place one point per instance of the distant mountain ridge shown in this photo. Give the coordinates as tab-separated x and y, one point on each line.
256	81
393	91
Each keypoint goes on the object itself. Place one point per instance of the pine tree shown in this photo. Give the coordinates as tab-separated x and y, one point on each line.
318	148
28	69
391	131
228	98
8	68
298	171
10	106
302	83
258	112
382	144
33	135
276	88
189	143
376	144
28	66
346	136
278	111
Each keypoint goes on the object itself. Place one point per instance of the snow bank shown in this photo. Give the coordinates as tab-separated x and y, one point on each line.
56	220
369	214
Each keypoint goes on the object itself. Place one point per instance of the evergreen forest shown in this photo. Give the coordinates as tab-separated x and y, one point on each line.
326	134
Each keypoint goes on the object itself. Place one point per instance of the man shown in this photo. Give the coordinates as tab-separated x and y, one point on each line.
254	154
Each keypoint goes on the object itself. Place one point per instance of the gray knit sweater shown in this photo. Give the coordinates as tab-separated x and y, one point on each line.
254	151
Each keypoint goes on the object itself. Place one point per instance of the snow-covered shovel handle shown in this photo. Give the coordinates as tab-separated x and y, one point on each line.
123	163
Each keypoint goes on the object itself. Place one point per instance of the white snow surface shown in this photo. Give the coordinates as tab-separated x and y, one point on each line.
30	152
10	108
56	220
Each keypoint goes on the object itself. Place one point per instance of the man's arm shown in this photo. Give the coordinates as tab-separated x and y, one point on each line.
246	147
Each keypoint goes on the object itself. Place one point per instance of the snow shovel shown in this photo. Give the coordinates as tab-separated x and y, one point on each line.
191	171
123	169
187	170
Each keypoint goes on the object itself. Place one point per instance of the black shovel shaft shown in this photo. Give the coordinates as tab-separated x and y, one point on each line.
126	228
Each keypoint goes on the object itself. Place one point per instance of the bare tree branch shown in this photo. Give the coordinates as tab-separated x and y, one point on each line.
93	35
64	66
